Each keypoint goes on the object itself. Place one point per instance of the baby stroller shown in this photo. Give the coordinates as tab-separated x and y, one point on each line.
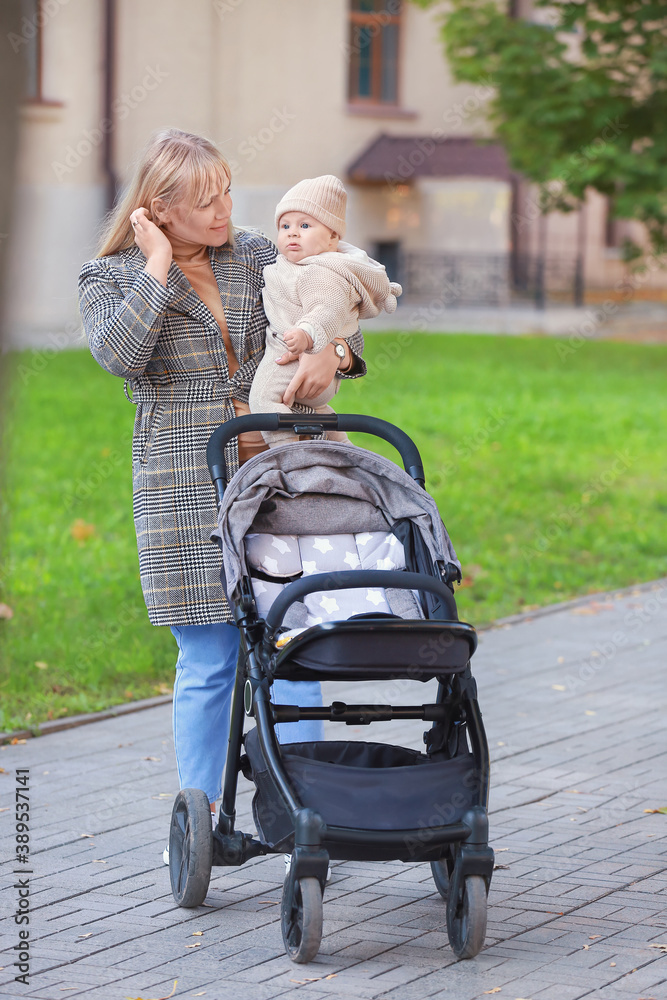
337	566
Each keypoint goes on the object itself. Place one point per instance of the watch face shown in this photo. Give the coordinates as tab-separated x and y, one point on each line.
340	350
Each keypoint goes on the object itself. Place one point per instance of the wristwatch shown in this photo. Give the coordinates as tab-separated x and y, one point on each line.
340	350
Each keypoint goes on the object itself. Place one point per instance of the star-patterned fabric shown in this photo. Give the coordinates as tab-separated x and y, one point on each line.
285	557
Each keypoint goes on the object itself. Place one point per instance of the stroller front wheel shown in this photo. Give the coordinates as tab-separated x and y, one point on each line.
301	918
466	918
190	847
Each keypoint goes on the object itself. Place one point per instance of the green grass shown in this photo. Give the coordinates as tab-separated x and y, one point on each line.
548	471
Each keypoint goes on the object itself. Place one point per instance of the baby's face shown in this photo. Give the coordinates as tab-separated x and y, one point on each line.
301	235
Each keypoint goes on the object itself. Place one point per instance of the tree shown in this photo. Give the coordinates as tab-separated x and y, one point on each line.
580	97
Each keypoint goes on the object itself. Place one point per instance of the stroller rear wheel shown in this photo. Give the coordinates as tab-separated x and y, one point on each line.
301	918
190	847
441	871
466	917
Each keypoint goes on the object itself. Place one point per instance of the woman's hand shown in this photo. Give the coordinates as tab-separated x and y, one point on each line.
153	243
313	375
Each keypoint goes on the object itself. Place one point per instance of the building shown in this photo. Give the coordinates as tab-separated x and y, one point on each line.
287	89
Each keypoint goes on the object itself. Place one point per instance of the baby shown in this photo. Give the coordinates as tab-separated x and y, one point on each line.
315	293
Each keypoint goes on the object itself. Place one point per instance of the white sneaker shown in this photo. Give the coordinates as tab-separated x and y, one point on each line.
288	865
165	853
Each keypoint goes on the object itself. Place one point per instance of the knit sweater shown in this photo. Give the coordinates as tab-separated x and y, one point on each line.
327	294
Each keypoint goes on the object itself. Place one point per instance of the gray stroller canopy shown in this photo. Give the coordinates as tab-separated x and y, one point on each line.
322	487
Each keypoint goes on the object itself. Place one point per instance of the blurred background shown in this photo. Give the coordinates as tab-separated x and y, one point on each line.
288	89
540	434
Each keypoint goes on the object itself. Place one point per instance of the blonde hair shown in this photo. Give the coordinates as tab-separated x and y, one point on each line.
175	167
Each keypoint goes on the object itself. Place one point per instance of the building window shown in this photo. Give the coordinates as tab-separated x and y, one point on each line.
31	23
374	32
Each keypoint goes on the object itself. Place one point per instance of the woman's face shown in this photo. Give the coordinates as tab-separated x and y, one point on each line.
205	223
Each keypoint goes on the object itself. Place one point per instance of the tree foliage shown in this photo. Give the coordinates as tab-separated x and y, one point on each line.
580	97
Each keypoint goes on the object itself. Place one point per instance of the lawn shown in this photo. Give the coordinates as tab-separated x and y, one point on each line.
548	468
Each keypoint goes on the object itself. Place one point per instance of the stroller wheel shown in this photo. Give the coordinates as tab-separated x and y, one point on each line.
301	918
466	918
440	872
190	847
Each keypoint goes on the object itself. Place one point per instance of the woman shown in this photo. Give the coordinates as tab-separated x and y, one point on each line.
173	304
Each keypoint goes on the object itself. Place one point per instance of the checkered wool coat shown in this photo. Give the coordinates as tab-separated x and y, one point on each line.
167	343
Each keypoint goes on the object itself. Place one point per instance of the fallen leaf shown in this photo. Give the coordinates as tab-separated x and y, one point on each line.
81	530
202	994
6	611
662	809
594	608
662	947
594	937
4	809
98	861
612	964
588	712
573	791
86	835
42	665
496	989
586	947
197	933
561	659
163	795
496	867
270	902
197	945
89	934
17	742
151	758
332	975
3	771
559	687
499	850
156	998
63	988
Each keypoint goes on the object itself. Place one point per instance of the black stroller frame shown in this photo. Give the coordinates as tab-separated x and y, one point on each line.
458	850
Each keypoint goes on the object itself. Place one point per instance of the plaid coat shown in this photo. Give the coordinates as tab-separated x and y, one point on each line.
167	343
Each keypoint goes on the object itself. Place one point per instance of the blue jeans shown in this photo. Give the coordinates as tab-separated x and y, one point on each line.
205	673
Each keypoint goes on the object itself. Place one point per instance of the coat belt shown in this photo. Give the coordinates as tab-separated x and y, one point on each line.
188	390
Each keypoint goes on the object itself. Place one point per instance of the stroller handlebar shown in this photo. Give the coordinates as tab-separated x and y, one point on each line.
344	580
308	423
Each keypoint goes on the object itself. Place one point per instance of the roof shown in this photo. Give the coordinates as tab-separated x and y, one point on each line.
402	158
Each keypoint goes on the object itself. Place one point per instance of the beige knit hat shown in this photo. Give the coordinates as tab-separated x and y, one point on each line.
322	197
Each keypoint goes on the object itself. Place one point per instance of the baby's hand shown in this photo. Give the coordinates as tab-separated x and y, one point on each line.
297	340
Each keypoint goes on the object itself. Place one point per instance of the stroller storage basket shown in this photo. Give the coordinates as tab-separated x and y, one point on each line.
364	786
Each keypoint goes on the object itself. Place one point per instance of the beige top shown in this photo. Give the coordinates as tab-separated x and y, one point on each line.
193	260
327	294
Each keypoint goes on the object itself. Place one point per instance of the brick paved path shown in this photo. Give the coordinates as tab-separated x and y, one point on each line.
574	704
